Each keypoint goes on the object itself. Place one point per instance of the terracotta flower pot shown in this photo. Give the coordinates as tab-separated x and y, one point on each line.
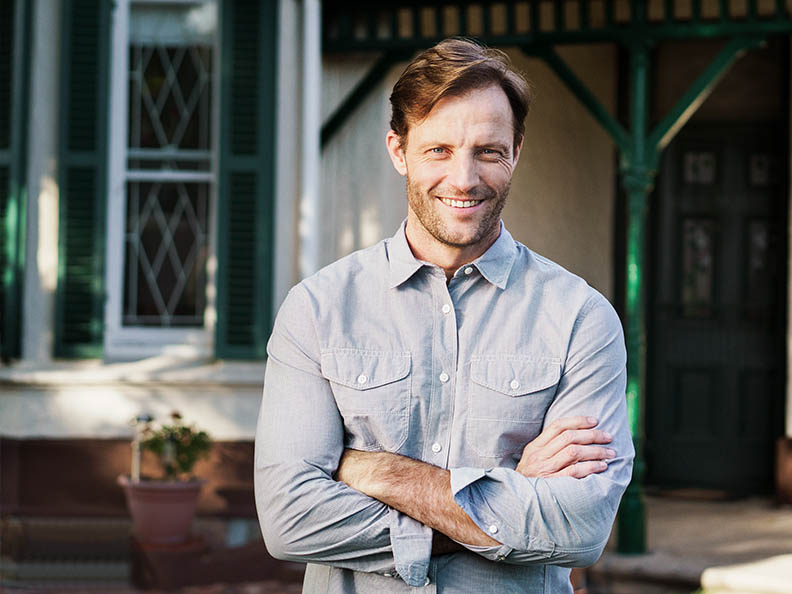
162	511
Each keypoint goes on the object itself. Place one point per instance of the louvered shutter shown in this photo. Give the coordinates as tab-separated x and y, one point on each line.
246	177
14	37
82	177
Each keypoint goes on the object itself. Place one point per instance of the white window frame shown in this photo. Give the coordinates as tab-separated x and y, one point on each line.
125	342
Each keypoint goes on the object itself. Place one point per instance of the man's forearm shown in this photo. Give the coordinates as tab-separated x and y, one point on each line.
420	490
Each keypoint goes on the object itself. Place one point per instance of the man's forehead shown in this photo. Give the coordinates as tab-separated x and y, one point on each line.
481	112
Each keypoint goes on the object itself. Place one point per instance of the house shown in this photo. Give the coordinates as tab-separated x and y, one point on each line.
168	169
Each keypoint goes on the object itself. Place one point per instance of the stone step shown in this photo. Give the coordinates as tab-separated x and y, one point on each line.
649	573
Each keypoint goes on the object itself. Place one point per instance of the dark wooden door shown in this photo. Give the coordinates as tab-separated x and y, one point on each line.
717	310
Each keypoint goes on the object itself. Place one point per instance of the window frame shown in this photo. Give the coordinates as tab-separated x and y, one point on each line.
125	342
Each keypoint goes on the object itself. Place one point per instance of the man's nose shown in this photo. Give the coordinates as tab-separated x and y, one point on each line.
463	173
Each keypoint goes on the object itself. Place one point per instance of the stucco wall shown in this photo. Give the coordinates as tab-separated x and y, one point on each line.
564	188
562	196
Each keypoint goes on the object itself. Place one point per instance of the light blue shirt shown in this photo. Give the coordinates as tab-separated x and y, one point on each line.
378	352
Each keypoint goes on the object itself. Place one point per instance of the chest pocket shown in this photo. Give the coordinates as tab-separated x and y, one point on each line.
509	396
372	391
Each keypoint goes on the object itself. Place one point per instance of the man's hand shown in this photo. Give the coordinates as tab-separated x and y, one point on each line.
564	448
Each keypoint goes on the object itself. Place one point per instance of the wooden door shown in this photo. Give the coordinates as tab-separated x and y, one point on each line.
717	310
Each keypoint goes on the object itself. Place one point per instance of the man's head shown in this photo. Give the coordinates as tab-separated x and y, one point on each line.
457	130
452	68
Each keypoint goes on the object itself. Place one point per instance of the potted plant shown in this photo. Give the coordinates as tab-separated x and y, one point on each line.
162	509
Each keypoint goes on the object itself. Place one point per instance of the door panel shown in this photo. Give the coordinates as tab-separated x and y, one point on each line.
716	312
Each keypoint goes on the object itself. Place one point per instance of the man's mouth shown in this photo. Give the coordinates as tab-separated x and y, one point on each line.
460	203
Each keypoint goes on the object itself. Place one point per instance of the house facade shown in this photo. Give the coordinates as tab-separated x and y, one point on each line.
169	169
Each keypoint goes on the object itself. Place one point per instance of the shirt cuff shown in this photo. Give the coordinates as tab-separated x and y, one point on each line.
460	479
411	543
496	506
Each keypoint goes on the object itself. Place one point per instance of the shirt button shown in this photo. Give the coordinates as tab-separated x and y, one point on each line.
468	270
388	574
436	447
427	582
500	557
514	384
446	308
444	377
362	379
493	528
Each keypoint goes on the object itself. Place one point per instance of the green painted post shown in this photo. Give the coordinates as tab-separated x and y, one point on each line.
637	169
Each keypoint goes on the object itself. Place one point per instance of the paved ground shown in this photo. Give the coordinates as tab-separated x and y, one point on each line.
686	536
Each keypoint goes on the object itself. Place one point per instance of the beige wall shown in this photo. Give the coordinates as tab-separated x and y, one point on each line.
564	189
562	195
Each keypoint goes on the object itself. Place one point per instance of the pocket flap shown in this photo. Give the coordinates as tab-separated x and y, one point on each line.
515	376
363	369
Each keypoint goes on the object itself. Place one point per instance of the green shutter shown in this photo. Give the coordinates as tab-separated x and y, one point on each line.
82	178
14	78
246	177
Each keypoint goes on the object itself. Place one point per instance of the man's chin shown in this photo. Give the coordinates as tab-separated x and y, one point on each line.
459	240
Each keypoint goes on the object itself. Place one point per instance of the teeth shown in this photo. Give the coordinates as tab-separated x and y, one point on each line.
459	203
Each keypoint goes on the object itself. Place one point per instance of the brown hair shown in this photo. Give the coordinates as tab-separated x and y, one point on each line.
450	69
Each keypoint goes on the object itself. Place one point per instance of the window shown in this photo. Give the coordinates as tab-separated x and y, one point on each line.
163	140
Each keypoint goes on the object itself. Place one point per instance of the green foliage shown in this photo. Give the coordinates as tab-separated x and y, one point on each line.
178	446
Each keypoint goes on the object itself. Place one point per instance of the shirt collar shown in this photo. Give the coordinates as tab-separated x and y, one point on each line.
494	265
403	264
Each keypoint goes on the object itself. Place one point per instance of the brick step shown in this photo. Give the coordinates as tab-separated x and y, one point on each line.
74	573
39	539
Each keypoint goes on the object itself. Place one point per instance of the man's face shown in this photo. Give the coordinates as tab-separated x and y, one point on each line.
458	162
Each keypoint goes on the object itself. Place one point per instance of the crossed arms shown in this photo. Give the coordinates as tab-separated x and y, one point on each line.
423	491
320	503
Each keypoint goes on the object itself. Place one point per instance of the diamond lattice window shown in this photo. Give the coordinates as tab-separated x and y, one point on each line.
169	170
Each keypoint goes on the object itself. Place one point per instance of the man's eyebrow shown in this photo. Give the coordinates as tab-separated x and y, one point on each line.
505	148
432	144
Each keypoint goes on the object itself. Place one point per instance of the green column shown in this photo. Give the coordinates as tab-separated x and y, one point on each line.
638	168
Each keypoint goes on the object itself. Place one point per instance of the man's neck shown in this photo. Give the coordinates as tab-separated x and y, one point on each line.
448	257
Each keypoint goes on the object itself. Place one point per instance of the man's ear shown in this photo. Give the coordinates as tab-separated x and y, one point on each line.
396	151
517	150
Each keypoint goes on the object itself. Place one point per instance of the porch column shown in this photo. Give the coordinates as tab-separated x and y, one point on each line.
638	169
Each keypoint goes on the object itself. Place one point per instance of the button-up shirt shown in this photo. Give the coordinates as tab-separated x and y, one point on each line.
379	351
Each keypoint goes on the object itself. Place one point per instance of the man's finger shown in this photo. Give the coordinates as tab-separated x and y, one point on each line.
559	426
581	437
583	469
581	453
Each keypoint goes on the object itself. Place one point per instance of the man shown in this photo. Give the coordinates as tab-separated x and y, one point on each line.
445	409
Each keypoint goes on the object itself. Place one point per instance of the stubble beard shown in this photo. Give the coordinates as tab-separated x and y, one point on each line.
422	204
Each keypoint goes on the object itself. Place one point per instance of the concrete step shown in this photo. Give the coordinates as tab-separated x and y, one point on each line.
767	576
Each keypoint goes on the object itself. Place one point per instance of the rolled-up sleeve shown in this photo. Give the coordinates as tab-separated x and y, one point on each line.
562	520
305	514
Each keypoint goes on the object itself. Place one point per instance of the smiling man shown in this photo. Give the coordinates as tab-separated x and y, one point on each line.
445	410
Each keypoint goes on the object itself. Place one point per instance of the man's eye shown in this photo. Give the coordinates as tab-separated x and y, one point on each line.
438	150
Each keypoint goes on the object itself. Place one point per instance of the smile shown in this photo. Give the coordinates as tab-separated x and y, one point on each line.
459	203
